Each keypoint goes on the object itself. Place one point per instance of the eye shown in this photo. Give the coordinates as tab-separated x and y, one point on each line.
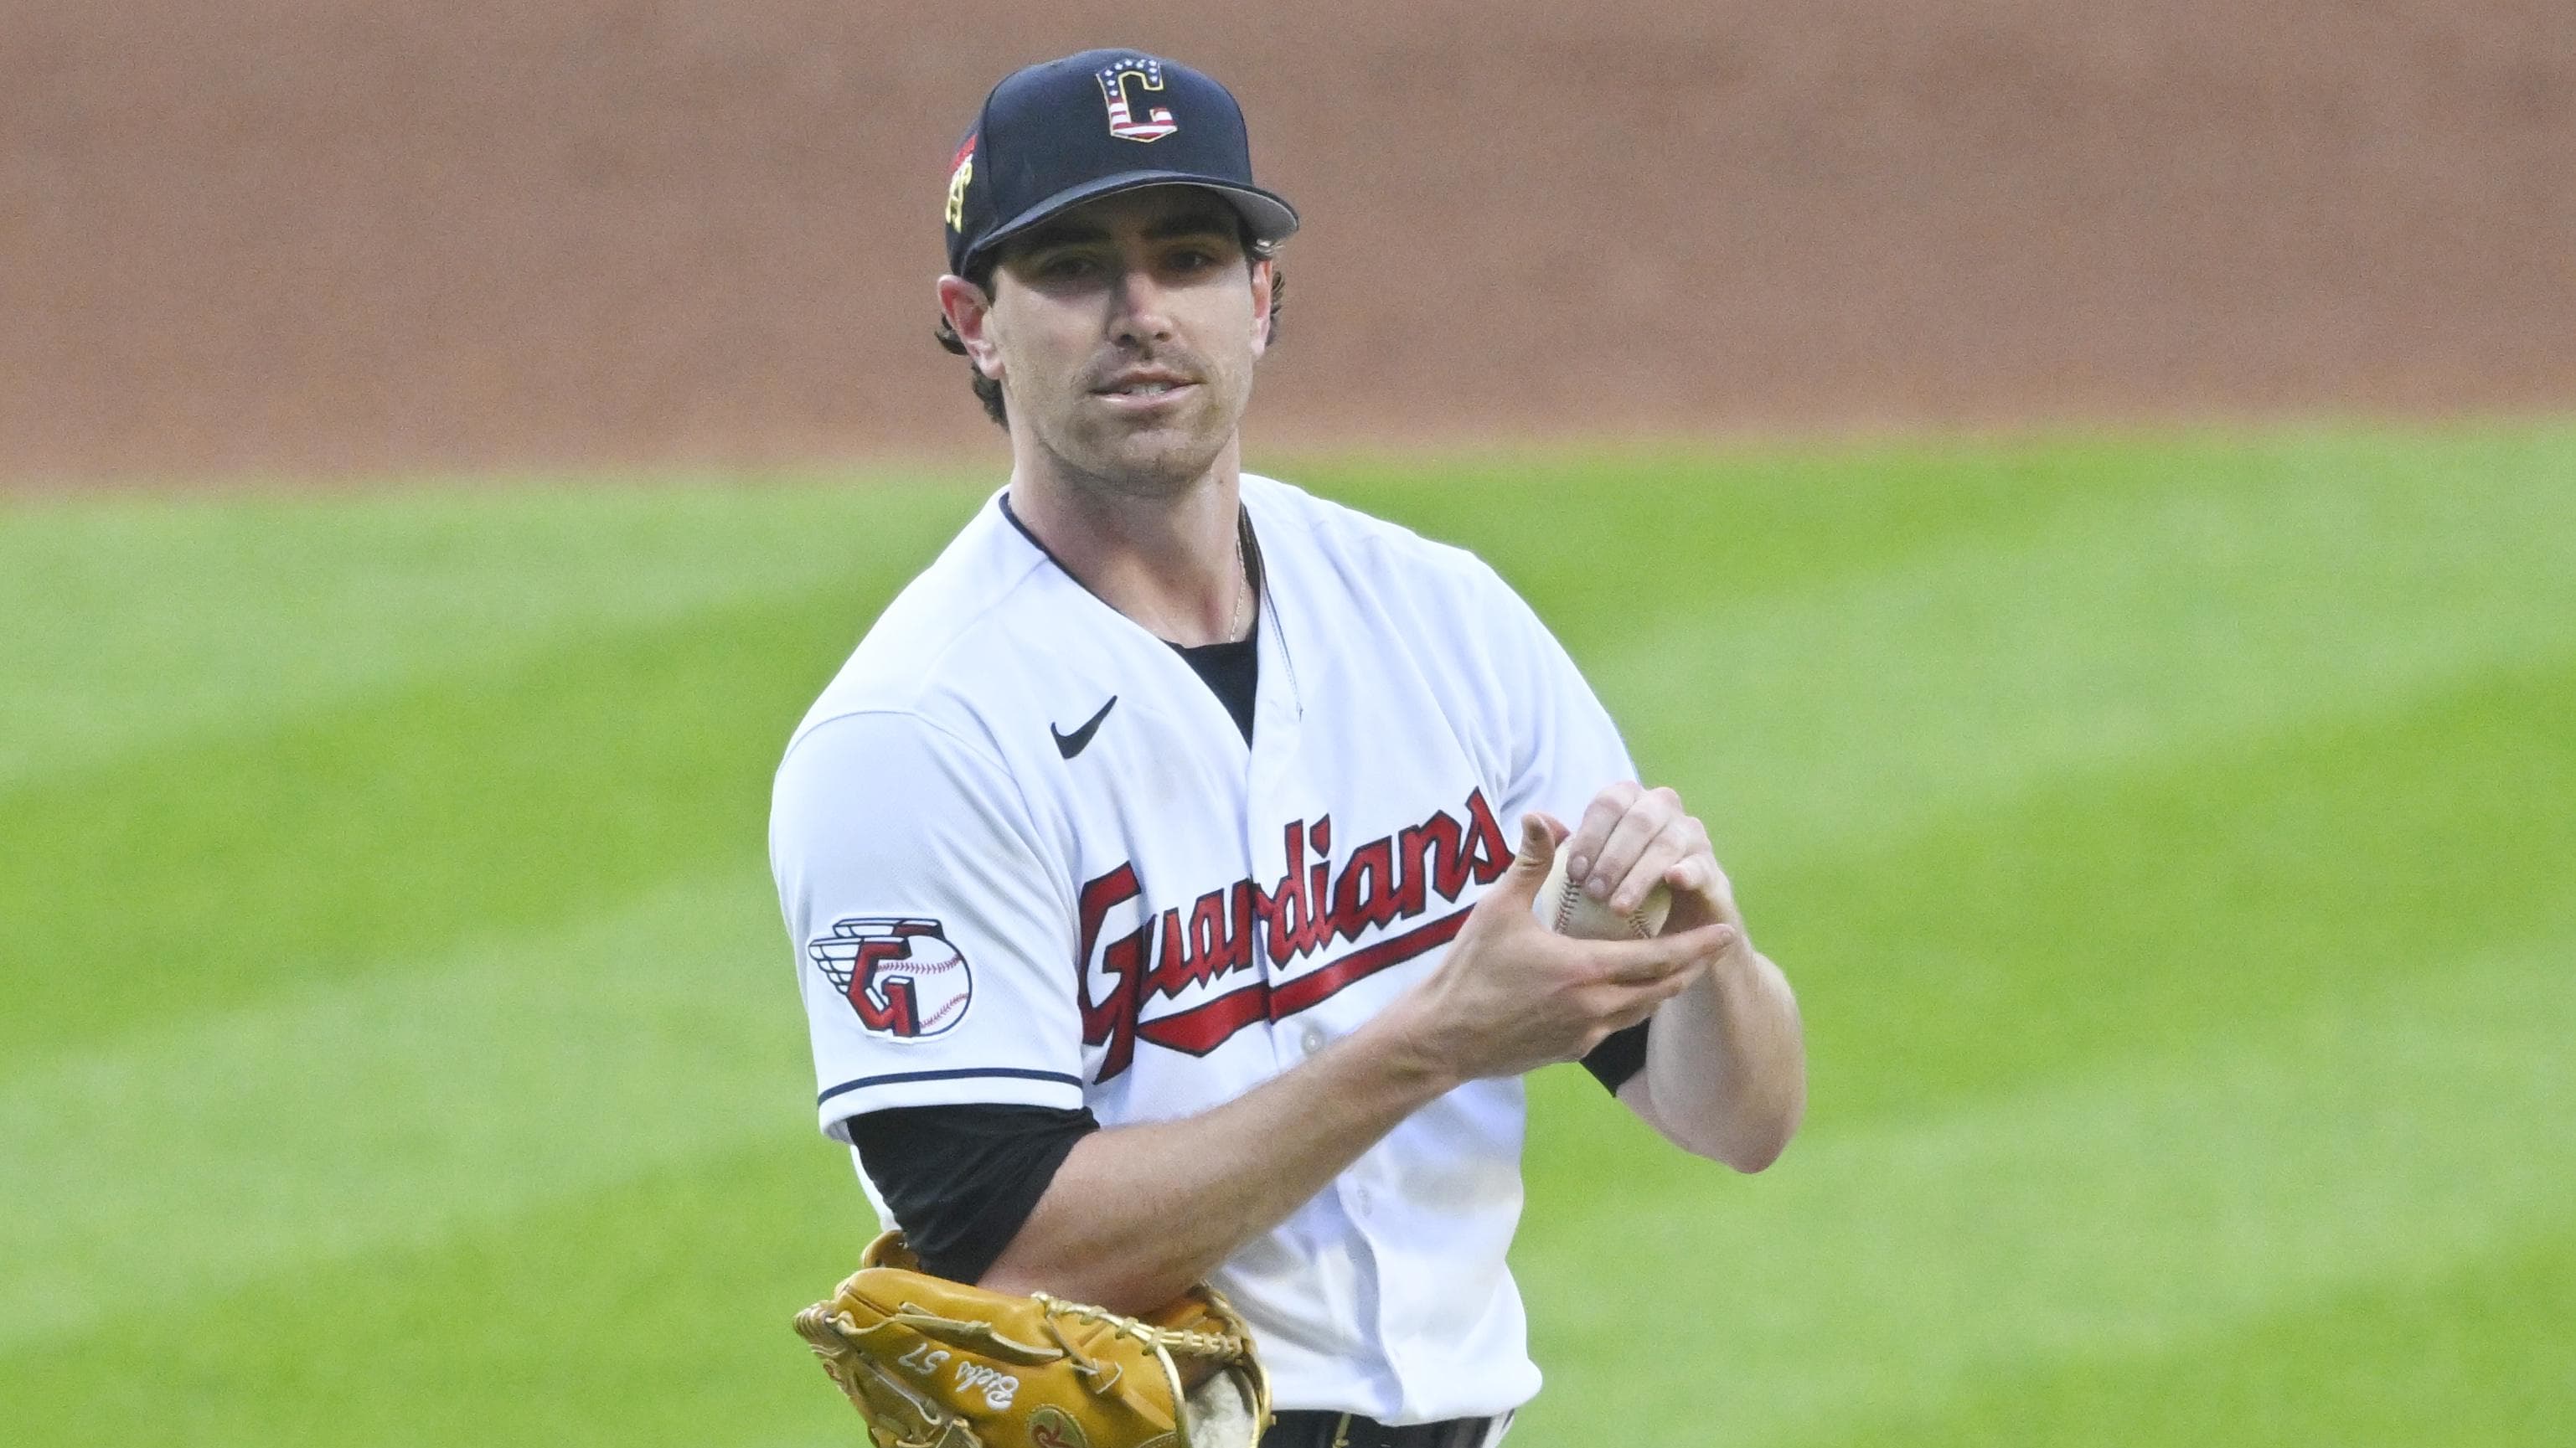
1065	266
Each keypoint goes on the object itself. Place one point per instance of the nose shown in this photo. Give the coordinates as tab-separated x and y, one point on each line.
1143	314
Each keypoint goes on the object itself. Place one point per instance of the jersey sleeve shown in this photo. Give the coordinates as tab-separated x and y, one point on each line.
933	940
1560	747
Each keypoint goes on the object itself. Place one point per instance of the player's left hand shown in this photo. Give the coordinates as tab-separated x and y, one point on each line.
1630	837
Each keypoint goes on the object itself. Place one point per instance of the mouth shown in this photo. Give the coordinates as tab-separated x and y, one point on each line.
1145	392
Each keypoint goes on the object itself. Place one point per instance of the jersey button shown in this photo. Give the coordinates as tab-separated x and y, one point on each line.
1311	1040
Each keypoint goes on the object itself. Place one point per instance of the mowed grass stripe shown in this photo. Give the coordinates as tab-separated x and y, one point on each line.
143	622
193	879
649	1311
421	1100
2150	621
1614	534
2473	1357
2123	913
2409	1130
1604	536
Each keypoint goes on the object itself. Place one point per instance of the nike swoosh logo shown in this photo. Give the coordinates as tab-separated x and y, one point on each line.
1074	743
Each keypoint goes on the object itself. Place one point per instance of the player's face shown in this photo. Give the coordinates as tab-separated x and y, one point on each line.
1126	332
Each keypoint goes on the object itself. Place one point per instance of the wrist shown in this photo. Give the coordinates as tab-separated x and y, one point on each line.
1739	957
1735	981
1405	1042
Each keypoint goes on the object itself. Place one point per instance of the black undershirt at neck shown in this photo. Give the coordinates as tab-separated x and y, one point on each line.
1233	670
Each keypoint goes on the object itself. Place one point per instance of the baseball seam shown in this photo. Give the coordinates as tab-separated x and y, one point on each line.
1572	895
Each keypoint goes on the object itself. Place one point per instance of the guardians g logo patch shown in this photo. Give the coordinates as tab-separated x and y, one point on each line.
1147	73
902	976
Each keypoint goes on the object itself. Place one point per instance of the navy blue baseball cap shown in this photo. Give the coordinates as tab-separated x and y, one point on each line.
1055	135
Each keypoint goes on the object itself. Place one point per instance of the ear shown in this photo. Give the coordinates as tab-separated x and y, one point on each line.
970	315
1261	279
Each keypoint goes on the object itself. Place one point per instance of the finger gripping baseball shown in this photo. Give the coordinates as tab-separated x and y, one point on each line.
936	1364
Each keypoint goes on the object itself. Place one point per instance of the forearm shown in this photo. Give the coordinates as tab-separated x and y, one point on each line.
1726	1064
1138	1213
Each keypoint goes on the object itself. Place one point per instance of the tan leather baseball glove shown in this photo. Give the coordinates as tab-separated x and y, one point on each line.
938	1364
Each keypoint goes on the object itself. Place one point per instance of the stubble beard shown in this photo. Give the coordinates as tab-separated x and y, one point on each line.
1104	457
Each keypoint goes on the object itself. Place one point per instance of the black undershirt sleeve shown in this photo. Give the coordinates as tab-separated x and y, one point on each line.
1620	1055
962	1180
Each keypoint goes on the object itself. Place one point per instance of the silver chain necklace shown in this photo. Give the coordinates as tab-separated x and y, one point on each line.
1242	586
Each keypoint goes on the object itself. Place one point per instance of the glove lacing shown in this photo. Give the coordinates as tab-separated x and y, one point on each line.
1217	1347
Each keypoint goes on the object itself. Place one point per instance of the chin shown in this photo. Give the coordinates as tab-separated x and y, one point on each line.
1161	461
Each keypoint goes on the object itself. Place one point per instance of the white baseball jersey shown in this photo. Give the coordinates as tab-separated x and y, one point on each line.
1026	856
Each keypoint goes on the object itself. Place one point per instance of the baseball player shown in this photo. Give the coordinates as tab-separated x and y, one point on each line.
1160	866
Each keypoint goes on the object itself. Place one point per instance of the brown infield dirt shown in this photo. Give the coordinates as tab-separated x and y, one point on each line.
319	237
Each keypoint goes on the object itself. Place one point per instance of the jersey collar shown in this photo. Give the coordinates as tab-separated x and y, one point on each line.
1251	558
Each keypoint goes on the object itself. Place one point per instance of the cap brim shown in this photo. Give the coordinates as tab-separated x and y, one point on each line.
1271	217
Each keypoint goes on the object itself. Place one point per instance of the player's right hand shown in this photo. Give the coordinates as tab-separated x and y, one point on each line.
1513	995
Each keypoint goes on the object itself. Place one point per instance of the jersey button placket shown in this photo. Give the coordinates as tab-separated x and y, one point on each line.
1278	792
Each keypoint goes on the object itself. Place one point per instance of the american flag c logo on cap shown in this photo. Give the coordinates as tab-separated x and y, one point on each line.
1123	124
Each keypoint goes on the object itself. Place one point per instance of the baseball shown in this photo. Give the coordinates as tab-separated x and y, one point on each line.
1568	911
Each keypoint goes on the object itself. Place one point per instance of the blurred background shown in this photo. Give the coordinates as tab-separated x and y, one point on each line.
290	233
2082	499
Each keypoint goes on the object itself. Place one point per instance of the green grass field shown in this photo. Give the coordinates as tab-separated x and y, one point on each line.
2173	841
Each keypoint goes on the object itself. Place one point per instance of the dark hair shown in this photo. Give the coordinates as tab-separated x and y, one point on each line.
989	391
